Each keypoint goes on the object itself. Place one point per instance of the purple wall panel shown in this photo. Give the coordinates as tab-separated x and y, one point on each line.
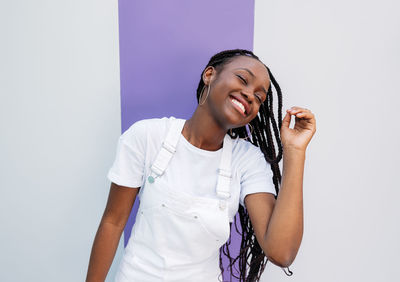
164	45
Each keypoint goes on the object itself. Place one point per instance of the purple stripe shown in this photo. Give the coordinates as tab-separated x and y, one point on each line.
164	46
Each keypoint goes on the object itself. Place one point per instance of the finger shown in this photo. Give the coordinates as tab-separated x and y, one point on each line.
299	110
295	109
286	120
304	114
307	117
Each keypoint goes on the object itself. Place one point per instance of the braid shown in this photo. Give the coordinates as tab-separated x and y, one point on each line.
261	137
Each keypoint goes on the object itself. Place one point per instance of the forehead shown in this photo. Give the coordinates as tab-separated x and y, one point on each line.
254	65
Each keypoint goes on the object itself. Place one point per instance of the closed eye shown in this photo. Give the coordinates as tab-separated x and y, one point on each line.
241	78
259	99
245	82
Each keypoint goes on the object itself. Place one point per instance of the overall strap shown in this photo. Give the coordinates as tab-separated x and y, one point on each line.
224	171
168	148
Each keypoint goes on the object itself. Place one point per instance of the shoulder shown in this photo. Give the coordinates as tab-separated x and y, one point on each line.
153	128
247	157
245	149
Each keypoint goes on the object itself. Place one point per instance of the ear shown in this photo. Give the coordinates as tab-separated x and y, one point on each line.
208	75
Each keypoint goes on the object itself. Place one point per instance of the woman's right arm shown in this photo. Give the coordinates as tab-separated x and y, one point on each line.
119	205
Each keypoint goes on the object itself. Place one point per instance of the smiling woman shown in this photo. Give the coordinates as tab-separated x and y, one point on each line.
194	175
240	76
243	79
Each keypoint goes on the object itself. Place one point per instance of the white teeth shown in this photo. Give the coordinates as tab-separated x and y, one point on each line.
239	104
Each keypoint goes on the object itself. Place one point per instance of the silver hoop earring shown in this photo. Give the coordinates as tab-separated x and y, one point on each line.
251	131
201	96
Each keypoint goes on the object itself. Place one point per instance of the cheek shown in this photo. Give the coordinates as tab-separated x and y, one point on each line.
220	93
256	111
226	85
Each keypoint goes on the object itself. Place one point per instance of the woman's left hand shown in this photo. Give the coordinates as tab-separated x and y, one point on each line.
303	130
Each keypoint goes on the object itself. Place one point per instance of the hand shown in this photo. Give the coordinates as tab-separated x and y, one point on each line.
303	130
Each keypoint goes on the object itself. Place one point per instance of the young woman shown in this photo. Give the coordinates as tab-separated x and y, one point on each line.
194	175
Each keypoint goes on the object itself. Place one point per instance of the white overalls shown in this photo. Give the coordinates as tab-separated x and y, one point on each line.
177	236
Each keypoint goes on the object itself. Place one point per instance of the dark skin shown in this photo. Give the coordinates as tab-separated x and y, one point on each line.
278	224
210	122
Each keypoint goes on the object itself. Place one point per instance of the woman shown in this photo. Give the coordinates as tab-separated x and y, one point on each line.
194	175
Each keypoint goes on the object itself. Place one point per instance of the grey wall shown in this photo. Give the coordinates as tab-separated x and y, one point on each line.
59	122
341	60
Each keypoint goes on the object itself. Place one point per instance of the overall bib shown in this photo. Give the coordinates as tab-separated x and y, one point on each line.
177	236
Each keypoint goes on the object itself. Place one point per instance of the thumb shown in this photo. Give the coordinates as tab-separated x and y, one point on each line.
286	120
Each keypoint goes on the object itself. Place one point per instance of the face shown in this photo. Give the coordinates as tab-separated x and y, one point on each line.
237	90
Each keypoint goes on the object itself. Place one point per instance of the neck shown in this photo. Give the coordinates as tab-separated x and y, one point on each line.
203	131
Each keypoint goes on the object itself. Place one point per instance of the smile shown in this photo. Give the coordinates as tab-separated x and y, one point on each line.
239	106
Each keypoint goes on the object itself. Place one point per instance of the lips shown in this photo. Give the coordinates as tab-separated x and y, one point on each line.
243	102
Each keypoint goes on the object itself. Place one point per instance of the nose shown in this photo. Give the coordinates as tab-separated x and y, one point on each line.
247	96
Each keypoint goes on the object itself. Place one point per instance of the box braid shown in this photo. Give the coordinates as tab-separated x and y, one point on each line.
262	138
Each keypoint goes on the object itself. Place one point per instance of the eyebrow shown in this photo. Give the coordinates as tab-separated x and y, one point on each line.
252	74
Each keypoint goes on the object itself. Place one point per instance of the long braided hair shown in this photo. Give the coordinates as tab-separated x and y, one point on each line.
262	138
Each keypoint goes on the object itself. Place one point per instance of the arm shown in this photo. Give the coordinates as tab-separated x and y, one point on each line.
116	214
278	224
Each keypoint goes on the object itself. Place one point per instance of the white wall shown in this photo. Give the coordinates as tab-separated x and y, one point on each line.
60	119
341	60
59	122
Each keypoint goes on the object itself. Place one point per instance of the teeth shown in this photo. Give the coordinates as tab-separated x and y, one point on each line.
239	104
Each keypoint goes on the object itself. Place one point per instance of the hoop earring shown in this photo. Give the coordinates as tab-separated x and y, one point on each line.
251	132
201	95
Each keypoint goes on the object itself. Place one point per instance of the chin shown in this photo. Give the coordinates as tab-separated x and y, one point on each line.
235	120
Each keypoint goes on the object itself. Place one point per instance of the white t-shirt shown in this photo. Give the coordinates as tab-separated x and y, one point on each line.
191	170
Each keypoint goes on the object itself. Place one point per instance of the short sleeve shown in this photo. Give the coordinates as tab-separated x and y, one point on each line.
128	167
256	175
